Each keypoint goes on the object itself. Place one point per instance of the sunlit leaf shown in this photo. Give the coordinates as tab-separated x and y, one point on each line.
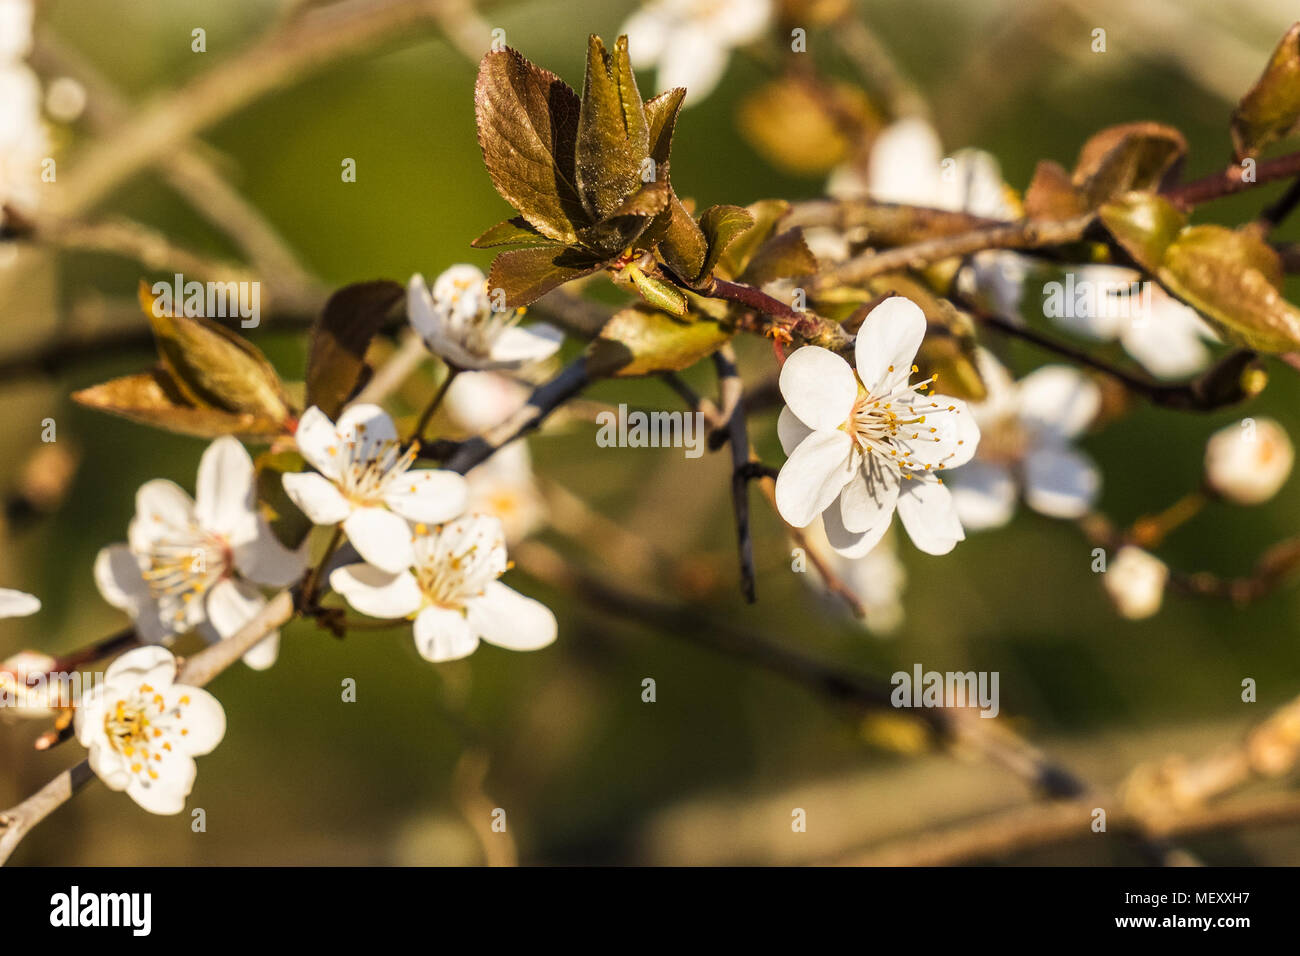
1271	109
640	340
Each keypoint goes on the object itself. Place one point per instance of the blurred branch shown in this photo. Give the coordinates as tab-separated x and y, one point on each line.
737	436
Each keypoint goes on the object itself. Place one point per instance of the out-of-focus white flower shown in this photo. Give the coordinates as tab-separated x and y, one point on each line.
25	690
458	323
1248	462
1166	336
143	730
877	579
504	485
452	592
23	139
18	603
1135	581
16	18
907	165
192	562
863	444
1026	430
65	100
365	483
690	41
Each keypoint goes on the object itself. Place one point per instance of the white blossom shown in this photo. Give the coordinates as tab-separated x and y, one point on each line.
1026	430
1249	461
690	41
459	322
365	483
452	592
143	730
1135	582
18	603
863	444
193	562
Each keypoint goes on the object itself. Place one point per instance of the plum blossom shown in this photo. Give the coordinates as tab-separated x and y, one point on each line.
365	483
690	41
459	323
1026	430
1248	462
863	444
143	730
907	165
193	562
24	689
1169	338
1135	582
504	485
18	603
452	592
877	580
23	138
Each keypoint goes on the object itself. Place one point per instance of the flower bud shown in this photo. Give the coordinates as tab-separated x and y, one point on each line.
23	698
1136	582
1248	462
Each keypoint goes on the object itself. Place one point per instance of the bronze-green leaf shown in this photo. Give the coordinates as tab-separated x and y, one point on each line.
613	135
516	231
721	225
213	366
339	340
1234	278
1132	156
1144	224
681	245
659	293
783	256
527	129
152	398
525	275
620	229
1271	109
661	119
640	340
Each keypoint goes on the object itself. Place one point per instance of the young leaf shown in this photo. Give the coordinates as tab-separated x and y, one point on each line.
512	232
214	367
1132	156
720	225
1271	109
526	275
527	129
339	339
152	398
1144	224
1234	278
643	341
613	135
658	293
612	235
661	119
680	242
783	256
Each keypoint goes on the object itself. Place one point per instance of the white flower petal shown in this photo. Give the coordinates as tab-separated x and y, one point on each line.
230	606
370	427
813	476
224	493
161	507
868	499
847	543
431	495
904	164
420	311
377	593
694	58
151	665
887	343
506	618
318	442
790	430
819	387
442	634
166	794
647	35
947	438
202	716
317	496
381	538
264	560
519	344
18	603
985	495
1060	482
930	516
1058	400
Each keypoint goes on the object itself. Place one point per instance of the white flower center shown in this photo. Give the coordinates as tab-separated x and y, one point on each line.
368	468
141	727
451	570
894	425
183	563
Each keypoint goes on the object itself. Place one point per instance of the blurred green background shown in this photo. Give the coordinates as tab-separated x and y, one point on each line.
586	771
